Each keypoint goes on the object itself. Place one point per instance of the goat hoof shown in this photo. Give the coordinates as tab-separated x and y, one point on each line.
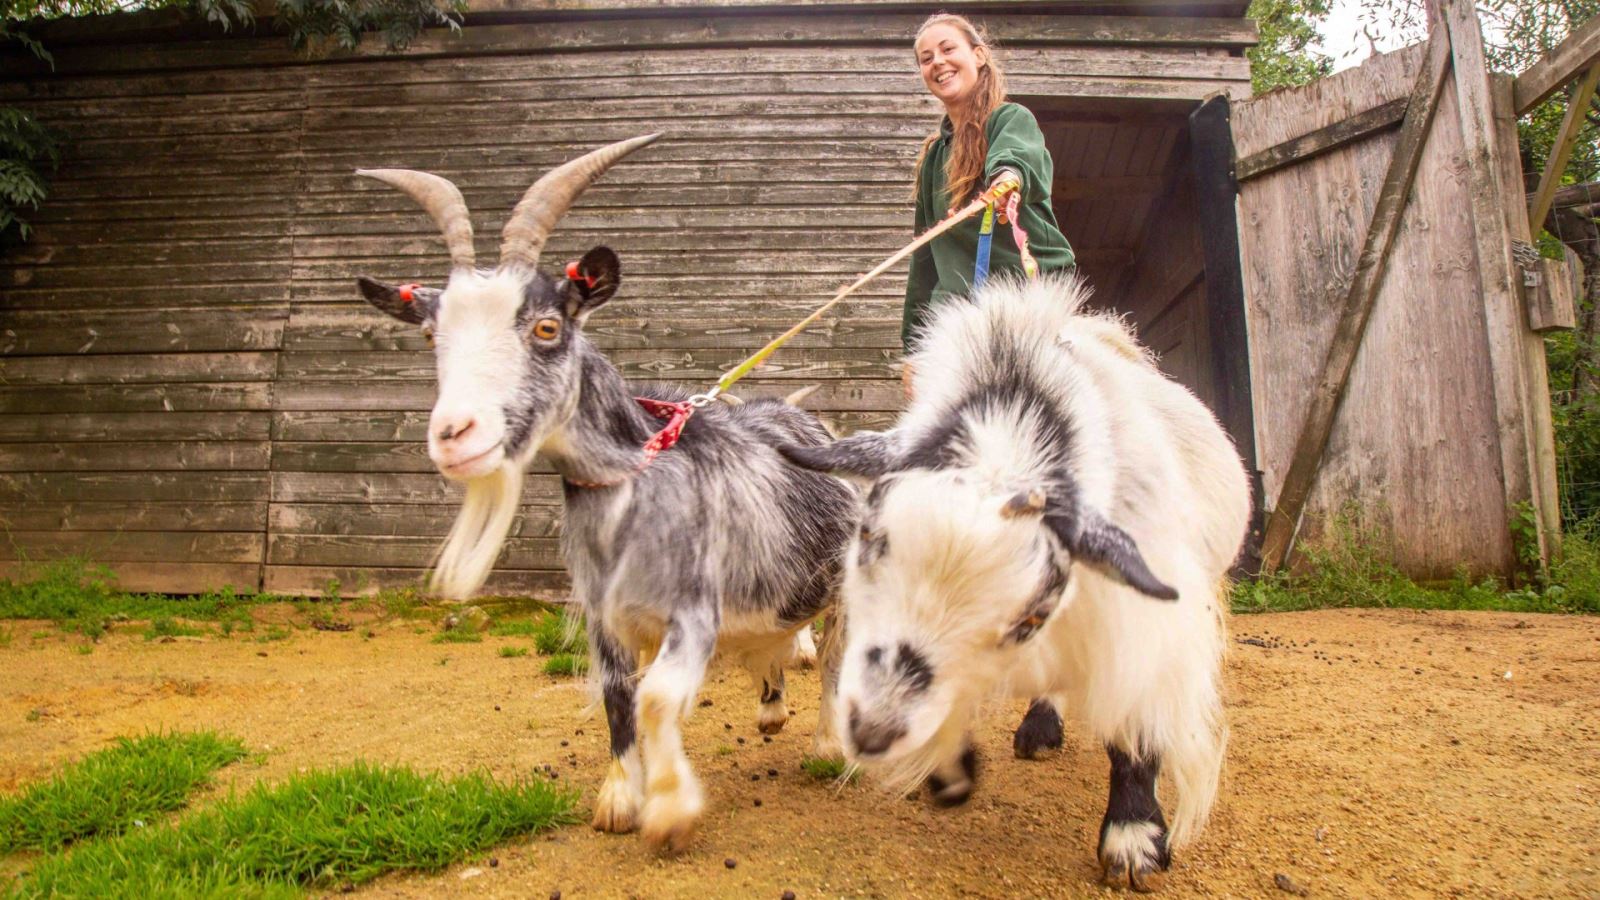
1039	733
1134	855
1147	882
669	821
615	811
772	721
1114	875
954	787
804	653
827	747
667	834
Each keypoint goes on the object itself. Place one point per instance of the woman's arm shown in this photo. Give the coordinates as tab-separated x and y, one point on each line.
1016	143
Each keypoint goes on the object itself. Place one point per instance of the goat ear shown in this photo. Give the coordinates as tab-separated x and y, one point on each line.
865	455
415	306
1095	542
591	281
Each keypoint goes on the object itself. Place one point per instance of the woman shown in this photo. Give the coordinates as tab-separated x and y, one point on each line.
981	140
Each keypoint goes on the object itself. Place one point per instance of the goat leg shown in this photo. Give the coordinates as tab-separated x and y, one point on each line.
673	799
616	809
1133	835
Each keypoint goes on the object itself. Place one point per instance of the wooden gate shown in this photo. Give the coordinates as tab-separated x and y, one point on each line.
1393	368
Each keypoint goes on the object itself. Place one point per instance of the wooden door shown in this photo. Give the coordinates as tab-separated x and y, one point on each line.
1434	445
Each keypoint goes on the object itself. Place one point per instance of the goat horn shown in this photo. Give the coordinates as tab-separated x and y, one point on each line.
442	201
1029	503
551	196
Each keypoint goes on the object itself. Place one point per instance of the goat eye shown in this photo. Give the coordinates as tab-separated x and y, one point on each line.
547	329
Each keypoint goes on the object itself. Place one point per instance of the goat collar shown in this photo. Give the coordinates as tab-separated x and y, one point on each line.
676	416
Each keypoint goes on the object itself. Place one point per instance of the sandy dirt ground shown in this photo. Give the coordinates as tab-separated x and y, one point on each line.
1373	754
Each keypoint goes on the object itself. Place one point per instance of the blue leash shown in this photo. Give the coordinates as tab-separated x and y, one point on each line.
980	266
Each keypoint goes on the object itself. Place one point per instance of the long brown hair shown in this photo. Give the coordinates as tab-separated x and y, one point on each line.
963	170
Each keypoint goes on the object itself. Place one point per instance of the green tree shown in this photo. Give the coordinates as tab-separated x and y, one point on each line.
29	152
1284	57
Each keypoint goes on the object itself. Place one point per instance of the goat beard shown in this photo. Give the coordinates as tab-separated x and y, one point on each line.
470	550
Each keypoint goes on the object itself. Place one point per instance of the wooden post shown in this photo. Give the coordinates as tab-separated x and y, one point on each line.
1358	301
1550	179
1543	486
1505	322
1217	198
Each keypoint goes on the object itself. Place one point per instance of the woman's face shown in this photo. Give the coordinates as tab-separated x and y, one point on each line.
949	64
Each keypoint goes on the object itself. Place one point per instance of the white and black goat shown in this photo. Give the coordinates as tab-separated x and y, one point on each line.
717	545
1050	516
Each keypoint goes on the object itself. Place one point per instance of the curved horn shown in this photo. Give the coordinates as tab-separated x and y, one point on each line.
442	201
551	196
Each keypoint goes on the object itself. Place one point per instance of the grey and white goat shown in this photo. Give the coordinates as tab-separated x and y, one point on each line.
1046	483
717	545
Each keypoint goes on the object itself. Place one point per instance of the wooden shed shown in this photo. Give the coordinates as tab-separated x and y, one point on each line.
193	394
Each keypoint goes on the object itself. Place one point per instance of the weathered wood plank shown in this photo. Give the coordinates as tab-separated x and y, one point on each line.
532	521
94	298
170	331
1580	51
166	369
172	577
137	487
133	256
367	580
372	331
1545	486
636	365
411	395
382	426
134	546
1280	116
1504	320
142	516
1357	307
1322	140
127	398
137	426
397	550
640	34
1561	149
388	487
136	456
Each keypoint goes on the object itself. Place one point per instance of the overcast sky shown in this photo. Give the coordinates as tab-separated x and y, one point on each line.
1342	41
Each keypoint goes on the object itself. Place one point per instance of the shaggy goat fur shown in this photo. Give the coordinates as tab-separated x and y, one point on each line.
1051	515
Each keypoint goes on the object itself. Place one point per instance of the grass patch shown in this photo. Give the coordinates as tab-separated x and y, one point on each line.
824	769
273	633
83	598
566	664
513	652
169	627
1349	567
458	636
109	791
552	632
321	830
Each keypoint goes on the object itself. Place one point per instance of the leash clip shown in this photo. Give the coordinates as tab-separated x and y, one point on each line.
700	401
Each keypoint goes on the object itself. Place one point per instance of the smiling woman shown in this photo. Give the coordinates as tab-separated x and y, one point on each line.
982	139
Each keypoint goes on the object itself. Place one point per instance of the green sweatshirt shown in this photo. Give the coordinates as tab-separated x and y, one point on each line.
943	268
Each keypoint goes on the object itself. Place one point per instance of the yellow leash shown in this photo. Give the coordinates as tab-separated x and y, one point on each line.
986	200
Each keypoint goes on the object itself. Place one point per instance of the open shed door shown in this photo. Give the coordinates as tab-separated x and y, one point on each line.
1442	431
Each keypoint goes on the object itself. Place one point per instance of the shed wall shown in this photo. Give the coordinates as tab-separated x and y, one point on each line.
193	392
